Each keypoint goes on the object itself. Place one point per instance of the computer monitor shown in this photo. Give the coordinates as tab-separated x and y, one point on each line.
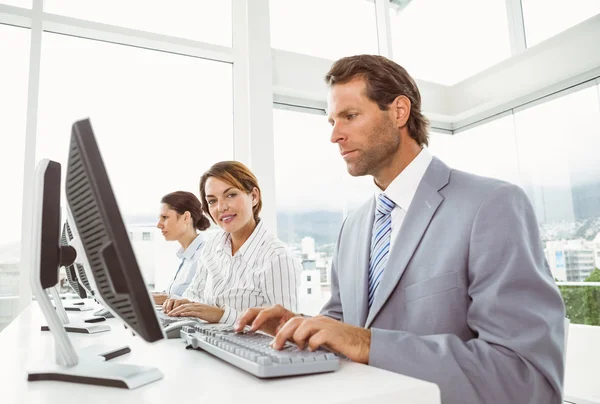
101	231
73	271
51	181
72	278
103	247
77	276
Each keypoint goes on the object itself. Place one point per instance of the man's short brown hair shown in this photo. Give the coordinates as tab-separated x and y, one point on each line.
385	80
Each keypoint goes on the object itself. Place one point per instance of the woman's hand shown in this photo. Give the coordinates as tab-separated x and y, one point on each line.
203	311
170	304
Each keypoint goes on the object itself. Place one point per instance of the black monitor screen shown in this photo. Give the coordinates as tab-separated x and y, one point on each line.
100	227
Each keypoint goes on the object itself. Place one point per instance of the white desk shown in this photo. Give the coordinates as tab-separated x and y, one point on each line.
189	375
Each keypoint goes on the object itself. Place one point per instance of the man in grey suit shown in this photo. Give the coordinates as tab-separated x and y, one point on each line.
441	275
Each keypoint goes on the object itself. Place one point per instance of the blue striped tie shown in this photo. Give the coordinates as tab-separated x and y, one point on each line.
380	243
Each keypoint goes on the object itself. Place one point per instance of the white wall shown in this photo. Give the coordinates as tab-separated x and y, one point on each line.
583	362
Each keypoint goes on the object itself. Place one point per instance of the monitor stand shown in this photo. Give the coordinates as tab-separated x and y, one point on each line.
78	308
100	374
82	328
104	351
77	327
89	365
77	305
104	313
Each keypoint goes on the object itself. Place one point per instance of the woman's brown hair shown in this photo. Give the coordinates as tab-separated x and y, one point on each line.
182	201
235	174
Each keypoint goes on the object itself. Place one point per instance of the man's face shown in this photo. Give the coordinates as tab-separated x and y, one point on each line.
366	136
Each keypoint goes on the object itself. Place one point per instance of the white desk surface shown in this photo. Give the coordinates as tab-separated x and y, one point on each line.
189	375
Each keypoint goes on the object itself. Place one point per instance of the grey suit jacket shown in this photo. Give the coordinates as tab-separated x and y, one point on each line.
466	301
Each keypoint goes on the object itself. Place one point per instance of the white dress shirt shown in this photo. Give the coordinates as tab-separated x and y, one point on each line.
402	190
187	268
263	272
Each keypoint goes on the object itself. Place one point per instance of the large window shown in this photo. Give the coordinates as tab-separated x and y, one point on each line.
558	145
550	150
488	150
546	18
447	41
328	29
160	120
201	20
14	52
17	3
314	194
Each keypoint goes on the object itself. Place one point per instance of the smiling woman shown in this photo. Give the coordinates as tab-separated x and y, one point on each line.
242	266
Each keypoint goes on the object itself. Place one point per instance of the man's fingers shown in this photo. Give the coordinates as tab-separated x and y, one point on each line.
304	332
264	316
286	332
320	338
248	317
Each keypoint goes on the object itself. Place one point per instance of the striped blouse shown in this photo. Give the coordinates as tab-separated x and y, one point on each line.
263	272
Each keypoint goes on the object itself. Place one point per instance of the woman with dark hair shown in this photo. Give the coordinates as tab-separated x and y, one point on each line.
242	266
180	217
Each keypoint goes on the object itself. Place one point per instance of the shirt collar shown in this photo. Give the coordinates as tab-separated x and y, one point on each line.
192	248
403	188
245	251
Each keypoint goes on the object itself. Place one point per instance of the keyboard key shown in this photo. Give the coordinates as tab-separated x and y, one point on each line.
264	360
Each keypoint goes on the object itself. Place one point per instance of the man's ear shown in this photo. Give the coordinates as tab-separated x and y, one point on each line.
401	110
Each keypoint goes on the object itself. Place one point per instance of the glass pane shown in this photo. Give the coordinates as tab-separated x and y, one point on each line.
312	201
201	20
558	143
448	41
328	29
17	3
550	151
488	150
546	18
14	52
160	119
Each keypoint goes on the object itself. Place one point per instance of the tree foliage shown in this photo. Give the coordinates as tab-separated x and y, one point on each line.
583	302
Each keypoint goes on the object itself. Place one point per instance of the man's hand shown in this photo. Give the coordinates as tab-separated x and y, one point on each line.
268	320
203	311
170	304
353	342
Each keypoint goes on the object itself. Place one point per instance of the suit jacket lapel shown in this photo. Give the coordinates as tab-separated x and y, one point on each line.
421	211
363	253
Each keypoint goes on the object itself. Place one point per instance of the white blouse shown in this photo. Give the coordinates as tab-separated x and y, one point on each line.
187	268
263	272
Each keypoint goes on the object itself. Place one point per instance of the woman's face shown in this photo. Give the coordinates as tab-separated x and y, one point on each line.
171	224
230	208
